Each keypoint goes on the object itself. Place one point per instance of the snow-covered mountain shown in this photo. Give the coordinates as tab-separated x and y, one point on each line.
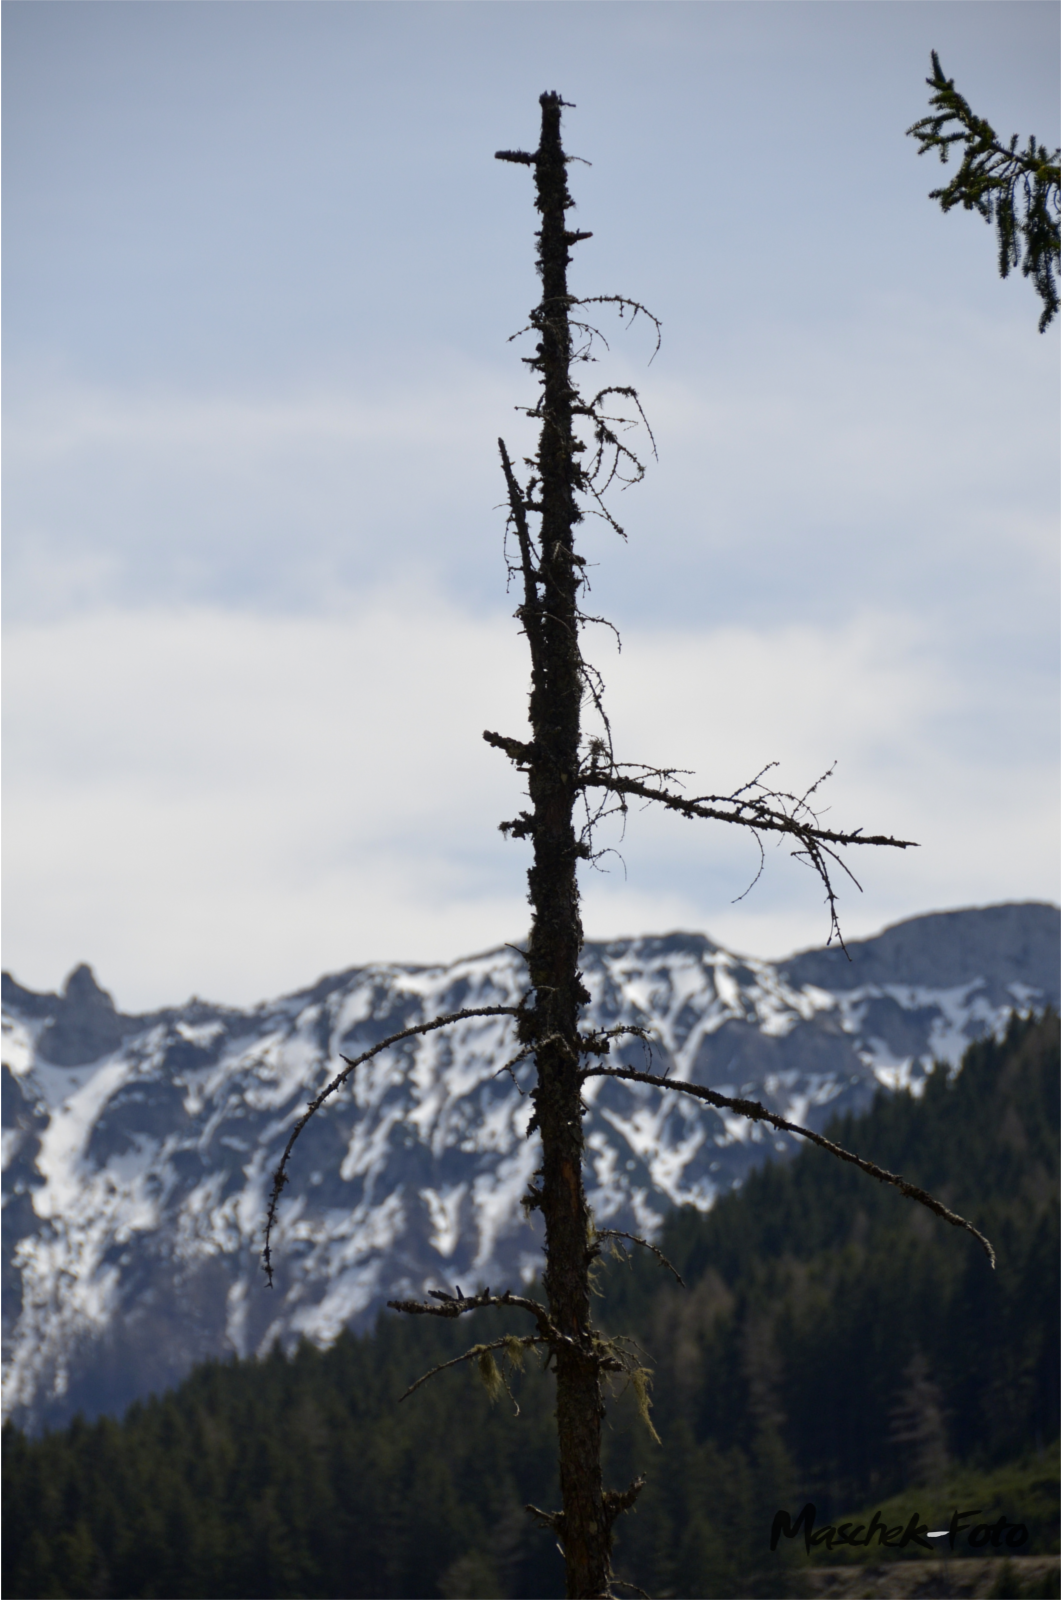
138	1150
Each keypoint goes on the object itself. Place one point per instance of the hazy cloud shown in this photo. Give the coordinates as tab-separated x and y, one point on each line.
260	272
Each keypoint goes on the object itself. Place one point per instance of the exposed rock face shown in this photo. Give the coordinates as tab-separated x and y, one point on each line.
1003	946
138	1150
84	1026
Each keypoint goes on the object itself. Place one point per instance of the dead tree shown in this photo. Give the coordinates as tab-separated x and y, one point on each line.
572	780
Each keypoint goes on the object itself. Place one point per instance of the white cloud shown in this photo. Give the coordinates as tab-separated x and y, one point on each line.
899	454
254	388
119	496
924	750
229	803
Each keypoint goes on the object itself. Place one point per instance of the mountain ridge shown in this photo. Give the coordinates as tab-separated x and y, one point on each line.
136	1178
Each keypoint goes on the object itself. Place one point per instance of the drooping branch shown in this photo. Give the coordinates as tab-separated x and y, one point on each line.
1019	190
621	1234
507	1343
625	304
609	457
756	1112
280	1176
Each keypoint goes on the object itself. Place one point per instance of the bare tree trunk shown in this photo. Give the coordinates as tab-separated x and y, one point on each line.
560	774
556	931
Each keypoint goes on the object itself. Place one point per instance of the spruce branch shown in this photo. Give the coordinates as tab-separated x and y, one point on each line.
1018	190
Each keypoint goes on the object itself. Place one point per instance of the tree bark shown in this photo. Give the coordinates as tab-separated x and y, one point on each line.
550	615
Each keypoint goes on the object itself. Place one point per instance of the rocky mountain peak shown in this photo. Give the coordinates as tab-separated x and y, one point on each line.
85	1025
139	1151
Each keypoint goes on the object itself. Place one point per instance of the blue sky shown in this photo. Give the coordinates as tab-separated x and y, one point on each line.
260	274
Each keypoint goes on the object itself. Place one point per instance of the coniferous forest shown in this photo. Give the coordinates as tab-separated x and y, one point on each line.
834	1344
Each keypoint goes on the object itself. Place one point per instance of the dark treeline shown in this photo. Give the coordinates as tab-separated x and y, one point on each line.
836	1343
842	1335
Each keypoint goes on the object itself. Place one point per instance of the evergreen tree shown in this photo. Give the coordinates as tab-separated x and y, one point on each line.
1018	190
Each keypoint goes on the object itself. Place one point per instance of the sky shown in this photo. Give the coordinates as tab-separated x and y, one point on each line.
261	271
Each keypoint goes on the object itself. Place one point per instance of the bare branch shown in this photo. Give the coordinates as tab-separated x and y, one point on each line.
548	1520
616	1501
280	1176
771	811
624	304
627	1584
620	1234
507	1067
476	1350
759	1114
451	1306
753	813
627	393
518	508
514	749
598	1043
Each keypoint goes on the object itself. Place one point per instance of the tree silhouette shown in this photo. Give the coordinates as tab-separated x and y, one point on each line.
573	780
1018	190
